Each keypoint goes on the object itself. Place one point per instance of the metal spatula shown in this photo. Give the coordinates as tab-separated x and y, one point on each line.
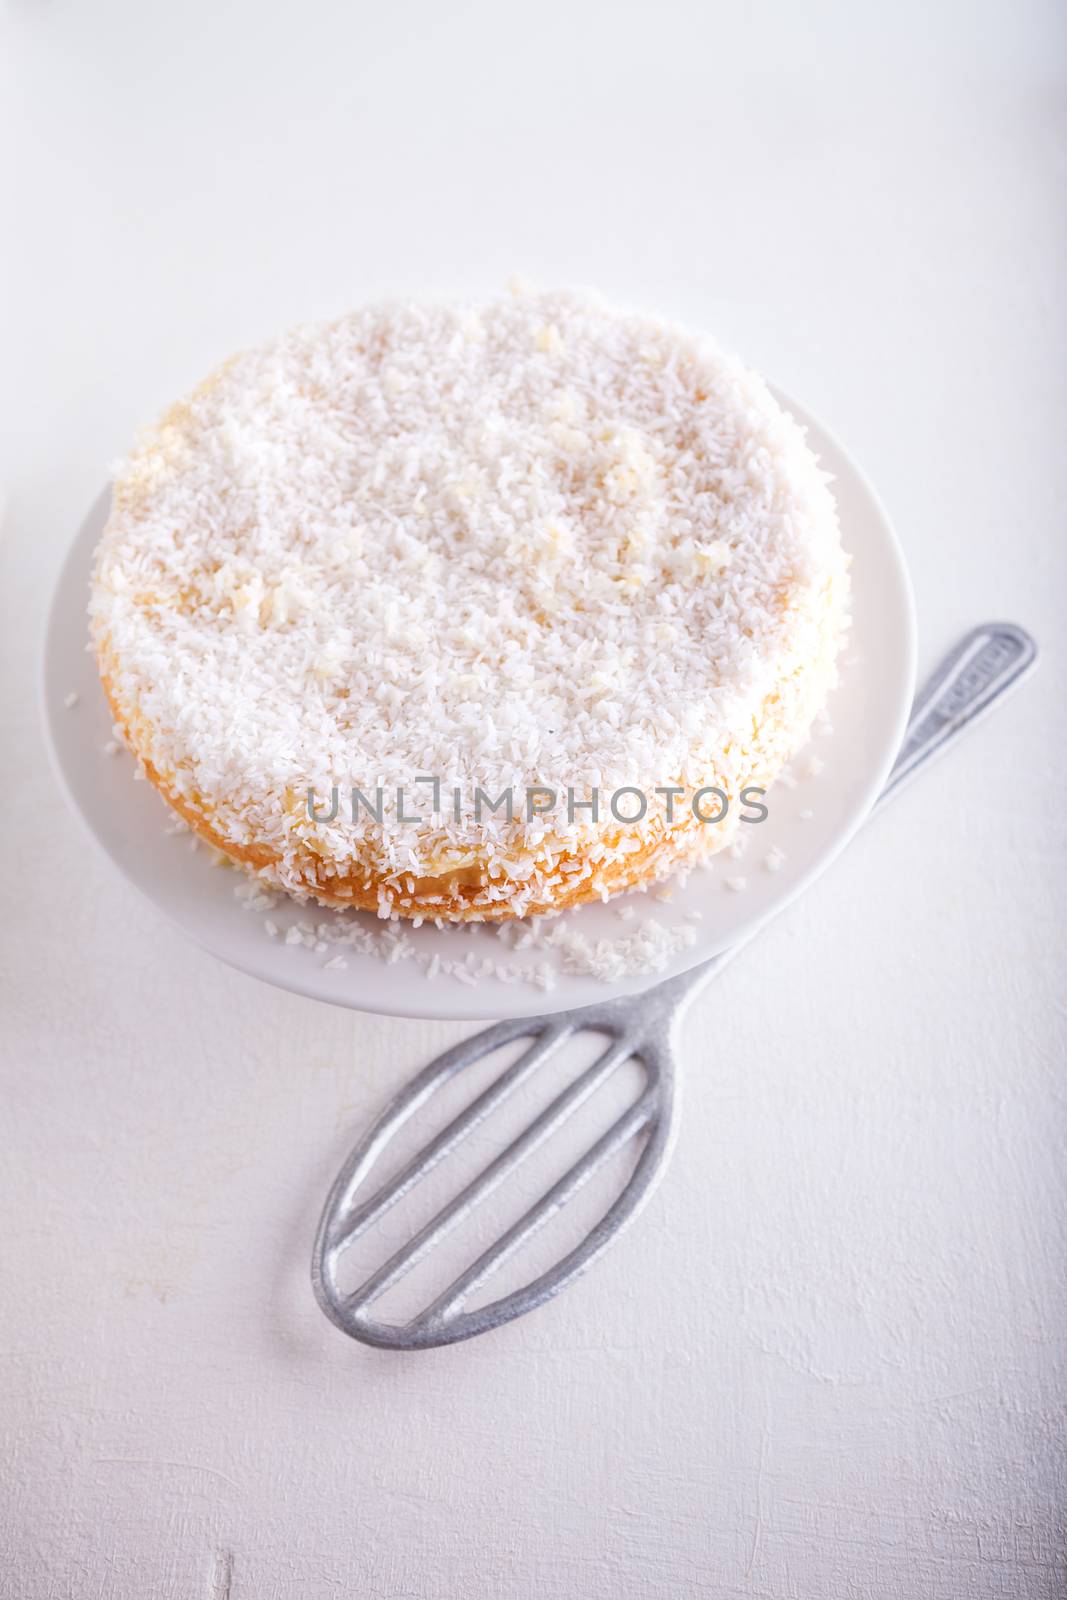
987	663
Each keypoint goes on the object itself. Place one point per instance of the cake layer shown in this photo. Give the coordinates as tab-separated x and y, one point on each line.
532	544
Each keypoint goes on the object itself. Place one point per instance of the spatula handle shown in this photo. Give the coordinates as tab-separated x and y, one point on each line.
992	659
988	662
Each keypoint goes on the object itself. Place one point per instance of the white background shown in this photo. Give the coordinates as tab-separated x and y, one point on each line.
829	1361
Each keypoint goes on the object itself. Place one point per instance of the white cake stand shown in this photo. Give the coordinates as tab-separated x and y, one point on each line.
807	827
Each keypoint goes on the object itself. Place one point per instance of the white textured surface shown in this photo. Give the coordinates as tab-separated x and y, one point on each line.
849	1378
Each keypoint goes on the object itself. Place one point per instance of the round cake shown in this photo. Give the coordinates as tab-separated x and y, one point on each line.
470	612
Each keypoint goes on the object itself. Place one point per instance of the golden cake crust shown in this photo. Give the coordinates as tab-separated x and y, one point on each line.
420	537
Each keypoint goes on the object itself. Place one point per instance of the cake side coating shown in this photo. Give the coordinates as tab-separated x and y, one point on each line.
531	543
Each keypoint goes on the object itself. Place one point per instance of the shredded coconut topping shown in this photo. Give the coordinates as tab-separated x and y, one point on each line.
534	542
